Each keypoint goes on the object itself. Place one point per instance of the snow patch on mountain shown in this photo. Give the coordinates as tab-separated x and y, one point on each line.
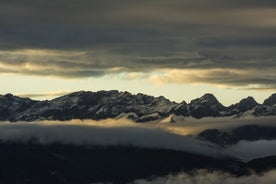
115	104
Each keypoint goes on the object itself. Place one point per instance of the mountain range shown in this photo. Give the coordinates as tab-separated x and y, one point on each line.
115	104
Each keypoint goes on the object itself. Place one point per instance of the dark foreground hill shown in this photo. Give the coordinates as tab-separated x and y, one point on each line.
115	104
59	163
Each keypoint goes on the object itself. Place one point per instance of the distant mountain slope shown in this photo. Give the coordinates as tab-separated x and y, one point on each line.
246	132
115	104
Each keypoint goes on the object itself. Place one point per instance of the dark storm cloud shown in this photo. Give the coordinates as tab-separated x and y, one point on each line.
141	36
241	42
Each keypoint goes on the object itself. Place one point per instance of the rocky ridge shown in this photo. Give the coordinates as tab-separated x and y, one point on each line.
115	104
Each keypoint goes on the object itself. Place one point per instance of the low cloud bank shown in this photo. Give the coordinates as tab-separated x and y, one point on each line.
248	150
208	177
125	132
192	126
107	132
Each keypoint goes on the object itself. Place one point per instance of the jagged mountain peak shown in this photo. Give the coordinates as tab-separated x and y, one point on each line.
181	109
209	96
245	104
11	105
206	105
206	98
270	100
8	95
249	100
11	97
117	104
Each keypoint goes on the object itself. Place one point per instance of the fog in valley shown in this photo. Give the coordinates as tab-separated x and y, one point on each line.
174	136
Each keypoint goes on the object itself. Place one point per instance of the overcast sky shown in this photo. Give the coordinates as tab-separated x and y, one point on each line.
180	49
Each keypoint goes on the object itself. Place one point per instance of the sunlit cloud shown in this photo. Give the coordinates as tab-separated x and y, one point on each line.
178	68
251	78
220	43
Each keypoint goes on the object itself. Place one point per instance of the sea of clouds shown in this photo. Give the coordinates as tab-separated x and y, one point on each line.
175	136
